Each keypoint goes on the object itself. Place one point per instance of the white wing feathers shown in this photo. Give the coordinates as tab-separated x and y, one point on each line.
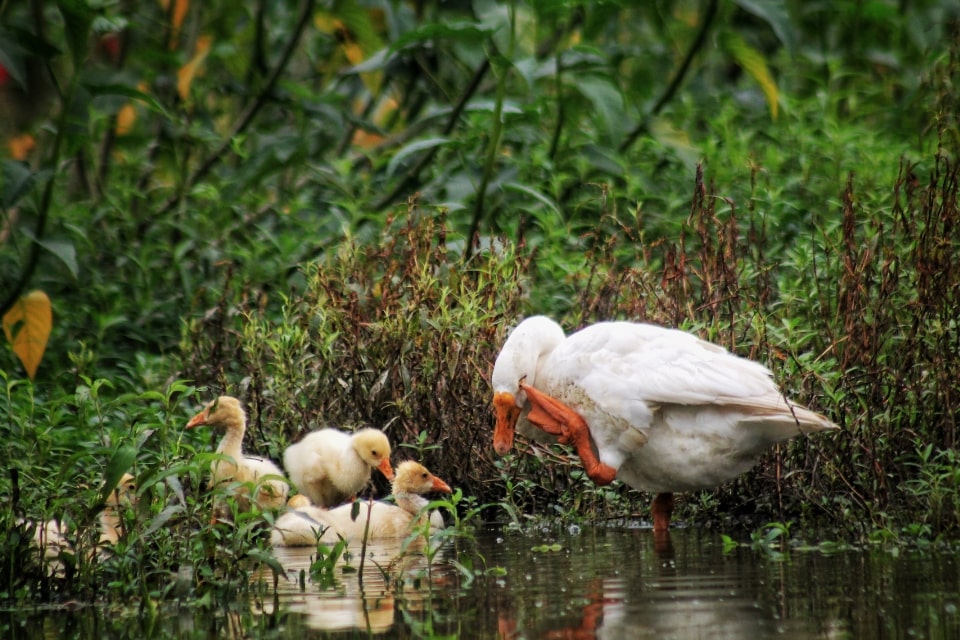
644	366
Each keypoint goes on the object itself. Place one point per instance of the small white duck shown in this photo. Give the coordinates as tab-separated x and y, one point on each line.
227	414
331	466
305	524
660	409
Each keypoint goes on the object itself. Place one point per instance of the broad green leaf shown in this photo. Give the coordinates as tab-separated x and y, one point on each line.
115	89
12	57
754	64
533	193
27	325
162	518
77	20
17	179
461	31
119	463
63	249
606	99
774	13
267	559
413	148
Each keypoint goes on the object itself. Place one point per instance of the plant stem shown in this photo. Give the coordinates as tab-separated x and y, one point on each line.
708	16
306	11
412	176
494	143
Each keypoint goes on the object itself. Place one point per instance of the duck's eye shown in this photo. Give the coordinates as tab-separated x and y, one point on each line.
374	452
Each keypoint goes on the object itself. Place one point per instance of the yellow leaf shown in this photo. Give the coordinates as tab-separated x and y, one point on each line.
27	325
21	146
125	119
755	65
179	12
187	72
356	28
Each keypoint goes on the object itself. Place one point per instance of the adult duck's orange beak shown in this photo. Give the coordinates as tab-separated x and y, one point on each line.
386	469
507	412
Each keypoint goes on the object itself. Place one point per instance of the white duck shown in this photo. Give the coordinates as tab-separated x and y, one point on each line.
271	487
331	466
658	408
305	524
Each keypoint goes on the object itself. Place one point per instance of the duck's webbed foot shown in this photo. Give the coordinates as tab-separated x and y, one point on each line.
557	419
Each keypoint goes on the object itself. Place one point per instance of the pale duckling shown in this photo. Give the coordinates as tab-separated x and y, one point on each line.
53	537
659	409
301	525
331	466
124	495
306	525
227	414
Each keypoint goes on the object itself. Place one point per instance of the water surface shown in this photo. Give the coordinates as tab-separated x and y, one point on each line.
592	583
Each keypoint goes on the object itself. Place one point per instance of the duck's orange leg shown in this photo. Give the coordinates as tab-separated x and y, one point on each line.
662	509
558	419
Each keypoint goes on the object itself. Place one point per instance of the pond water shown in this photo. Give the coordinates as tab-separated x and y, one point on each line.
591	583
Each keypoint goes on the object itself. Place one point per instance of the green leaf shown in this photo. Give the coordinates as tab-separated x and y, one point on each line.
116	89
774	13
121	461
267	559
62	249
533	193
459	30
162	518
77	20
12	57
754	64
18	180
413	148
606	99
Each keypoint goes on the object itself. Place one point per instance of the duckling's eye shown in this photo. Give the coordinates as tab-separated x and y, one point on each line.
375	454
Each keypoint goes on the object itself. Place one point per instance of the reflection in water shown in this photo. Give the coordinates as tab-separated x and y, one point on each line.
597	583
625	584
354	601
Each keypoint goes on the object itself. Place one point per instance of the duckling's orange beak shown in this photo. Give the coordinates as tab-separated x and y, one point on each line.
507	412
386	469
199	419
440	485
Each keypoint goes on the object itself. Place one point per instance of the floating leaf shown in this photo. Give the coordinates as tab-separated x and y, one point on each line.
27	326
